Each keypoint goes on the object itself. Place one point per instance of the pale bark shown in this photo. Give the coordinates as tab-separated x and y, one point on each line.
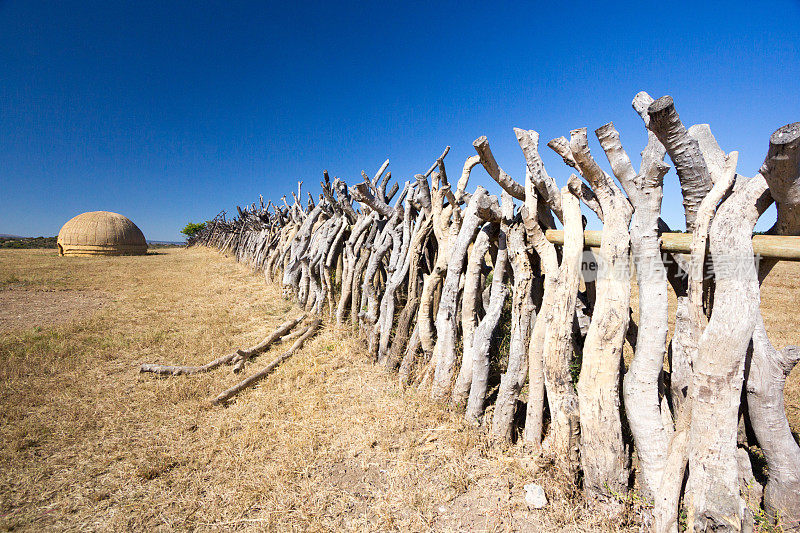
403	334
770	367
446	316
470	307
406	366
390	240
416	250
522	307
299	246
258	376
445	232
604	455
522	312
538	182
684	151
333	261
242	356
712	491
364	252
505	181
447	222
535	172
641	383
397	275
370	287
352	250
713	488
228	359
303	285
483	336
668	494
667	499
560	146
426	304
556	315
321	244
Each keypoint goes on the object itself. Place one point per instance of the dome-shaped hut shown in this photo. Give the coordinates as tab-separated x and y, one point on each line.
101	233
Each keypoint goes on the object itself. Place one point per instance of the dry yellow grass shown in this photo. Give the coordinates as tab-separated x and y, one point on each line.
328	442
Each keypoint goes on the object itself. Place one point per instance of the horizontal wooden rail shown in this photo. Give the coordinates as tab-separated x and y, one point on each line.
773	246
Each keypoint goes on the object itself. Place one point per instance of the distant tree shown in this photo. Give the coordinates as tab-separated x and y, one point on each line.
192	228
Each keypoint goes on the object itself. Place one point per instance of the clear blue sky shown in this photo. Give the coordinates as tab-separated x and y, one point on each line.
171	111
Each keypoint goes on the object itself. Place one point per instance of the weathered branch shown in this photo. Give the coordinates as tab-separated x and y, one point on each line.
508	184
173	370
604	456
770	367
556	315
641	385
483	336
242	356
258	376
684	150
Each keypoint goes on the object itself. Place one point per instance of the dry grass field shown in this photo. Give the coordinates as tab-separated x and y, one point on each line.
328	442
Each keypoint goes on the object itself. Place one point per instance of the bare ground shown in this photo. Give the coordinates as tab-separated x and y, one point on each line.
31	308
328	442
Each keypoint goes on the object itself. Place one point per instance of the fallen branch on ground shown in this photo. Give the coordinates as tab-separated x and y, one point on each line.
258	376
279	335
238	357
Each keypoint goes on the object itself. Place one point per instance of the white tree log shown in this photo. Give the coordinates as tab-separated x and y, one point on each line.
712	491
558	311
538	182
408	316
604	455
684	151
447	316
662	119
668	494
522	312
522	308
407	364
352	250
641	384
482	339
397	272
470	308
770	367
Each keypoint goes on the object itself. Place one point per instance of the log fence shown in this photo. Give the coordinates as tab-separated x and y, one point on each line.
430	274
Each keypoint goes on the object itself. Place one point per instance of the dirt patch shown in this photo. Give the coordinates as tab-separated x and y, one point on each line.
357	481
488	505
26	308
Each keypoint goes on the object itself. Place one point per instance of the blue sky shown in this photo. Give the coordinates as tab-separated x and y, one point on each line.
171	111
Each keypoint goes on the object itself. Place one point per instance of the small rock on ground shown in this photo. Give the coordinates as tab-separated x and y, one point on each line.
534	496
